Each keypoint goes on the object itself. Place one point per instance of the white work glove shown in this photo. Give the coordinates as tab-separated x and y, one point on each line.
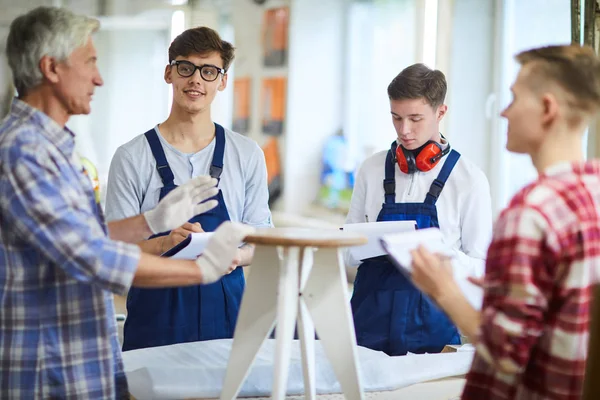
182	204
221	250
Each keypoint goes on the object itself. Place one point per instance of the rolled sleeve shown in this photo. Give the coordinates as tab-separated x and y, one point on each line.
356	213
256	204
123	199
52	212
476	228
514	305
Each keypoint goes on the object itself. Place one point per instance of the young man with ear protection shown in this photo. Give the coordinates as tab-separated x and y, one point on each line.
419	178
184	146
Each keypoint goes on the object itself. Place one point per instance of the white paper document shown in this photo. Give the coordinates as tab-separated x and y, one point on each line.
374	231
191	247
398	247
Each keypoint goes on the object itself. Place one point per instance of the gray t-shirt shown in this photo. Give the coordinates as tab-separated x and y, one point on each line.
134	184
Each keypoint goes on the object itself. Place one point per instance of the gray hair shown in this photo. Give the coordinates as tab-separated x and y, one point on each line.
45	31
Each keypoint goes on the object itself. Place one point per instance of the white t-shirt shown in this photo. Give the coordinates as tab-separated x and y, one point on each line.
134	184
464	207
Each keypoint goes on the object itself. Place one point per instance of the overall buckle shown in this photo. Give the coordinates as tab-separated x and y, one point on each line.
436	188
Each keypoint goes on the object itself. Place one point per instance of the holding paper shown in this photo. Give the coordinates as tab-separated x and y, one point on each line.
190	248
374	231
399	245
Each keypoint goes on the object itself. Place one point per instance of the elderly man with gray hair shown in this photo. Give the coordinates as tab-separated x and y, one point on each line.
60	261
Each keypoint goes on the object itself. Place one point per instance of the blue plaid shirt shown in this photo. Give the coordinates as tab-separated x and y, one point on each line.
58	269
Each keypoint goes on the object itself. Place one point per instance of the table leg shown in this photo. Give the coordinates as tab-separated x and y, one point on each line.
306	330
326	297
287	310
255	319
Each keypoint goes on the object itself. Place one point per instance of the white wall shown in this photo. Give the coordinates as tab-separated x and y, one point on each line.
551	24
470	79
485	37
133	98
382	39
314	108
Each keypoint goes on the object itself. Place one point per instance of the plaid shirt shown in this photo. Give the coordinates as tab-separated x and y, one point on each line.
541	266
58	335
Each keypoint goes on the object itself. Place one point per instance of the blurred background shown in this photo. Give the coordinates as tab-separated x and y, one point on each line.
309	81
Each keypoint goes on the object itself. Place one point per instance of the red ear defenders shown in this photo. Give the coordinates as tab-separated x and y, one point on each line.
422	159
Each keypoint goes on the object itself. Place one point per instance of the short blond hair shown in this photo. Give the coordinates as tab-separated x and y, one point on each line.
44	31
574	68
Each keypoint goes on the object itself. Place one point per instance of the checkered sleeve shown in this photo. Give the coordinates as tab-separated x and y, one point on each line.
50	211
514	304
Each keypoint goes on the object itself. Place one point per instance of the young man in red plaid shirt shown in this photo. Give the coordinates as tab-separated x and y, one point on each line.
532	334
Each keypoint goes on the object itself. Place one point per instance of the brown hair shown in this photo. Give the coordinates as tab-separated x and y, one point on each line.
419	81
201	40
575	68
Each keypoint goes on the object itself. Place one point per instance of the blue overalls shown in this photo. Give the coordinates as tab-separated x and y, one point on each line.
390	314
158	317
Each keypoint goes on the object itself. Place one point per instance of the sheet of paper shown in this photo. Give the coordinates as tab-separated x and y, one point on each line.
196	246
374	231
398	246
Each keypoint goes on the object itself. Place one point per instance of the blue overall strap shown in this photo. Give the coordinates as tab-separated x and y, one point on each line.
162	166
438	183
216	166
389	183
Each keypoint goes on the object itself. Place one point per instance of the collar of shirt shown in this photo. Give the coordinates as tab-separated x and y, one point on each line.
572	167
444	142
62	137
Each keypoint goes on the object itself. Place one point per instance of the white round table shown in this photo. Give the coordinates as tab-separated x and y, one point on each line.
297	275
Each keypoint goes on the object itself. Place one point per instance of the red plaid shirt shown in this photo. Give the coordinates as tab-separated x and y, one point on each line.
541	266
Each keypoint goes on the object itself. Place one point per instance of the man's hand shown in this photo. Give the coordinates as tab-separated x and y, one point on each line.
178	235
235	262
222	251
182	204
476	281
432	273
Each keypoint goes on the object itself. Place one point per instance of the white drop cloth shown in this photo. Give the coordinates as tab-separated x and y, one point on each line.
197	370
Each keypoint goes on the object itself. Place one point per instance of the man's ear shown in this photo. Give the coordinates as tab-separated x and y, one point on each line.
48	67
549	108
441	111
168	72
223	83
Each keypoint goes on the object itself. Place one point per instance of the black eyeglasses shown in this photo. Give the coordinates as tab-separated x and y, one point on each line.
208	72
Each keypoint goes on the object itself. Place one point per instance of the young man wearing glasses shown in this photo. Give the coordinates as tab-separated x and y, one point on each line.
184	146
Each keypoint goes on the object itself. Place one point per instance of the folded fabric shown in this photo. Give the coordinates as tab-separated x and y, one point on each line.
197	370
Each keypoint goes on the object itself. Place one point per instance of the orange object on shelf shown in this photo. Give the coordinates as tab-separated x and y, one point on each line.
271	150
273	102
275	36
241	105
